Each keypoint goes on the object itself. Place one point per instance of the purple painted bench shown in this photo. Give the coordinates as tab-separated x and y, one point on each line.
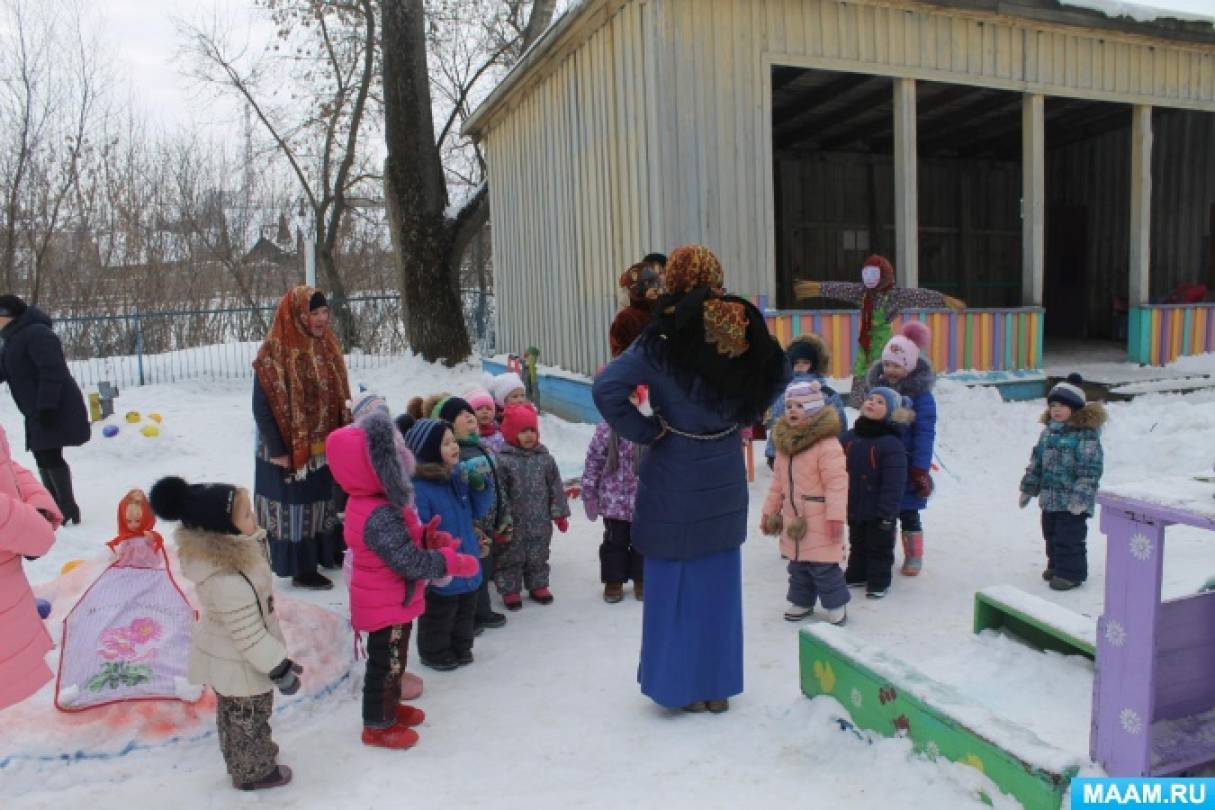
1154	689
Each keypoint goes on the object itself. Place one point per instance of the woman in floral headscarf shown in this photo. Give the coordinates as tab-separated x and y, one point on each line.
299	398
712	368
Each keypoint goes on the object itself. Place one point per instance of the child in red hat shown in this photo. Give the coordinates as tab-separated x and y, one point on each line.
536	495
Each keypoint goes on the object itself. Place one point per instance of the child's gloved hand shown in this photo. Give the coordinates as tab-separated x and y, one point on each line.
476	472
433	538
591	505
835	528
460	565
1024	500
286	676
562	524
920	482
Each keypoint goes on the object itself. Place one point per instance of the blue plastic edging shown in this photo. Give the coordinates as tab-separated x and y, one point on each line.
568	399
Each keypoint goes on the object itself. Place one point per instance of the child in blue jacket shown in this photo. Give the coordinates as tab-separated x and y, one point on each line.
877	476
905	369
1064	471
810	358
446	628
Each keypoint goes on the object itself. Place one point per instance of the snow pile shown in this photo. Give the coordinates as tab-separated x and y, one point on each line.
1145	11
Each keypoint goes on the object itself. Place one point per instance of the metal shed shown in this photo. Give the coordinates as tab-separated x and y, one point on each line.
793	136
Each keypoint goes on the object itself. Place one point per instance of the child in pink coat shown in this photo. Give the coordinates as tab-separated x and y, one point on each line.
807	503
28	519
394	557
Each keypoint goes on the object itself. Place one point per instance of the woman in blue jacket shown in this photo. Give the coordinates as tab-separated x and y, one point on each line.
711	368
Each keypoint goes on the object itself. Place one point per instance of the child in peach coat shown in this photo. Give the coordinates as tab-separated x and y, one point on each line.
28	519
807	503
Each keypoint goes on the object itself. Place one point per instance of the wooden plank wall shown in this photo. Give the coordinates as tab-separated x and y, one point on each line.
654	132
834	209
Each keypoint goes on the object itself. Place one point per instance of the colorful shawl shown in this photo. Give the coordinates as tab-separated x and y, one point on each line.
304	379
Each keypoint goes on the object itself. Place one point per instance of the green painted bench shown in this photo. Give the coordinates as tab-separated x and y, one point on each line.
884	694
1036	621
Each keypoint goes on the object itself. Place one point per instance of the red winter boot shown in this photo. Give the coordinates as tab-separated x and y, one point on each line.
409	716
512	601
395	736
542	595
913	553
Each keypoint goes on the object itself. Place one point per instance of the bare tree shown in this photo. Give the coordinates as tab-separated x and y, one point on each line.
430	239
332	45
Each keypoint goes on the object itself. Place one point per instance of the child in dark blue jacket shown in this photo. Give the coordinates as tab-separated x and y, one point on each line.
877	475
446	628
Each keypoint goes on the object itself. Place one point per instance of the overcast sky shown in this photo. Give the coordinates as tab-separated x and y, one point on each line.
146	42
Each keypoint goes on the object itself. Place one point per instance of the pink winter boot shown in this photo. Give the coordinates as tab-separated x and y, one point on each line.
913	553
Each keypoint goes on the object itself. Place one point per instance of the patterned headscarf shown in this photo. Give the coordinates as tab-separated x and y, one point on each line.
304	379
694	266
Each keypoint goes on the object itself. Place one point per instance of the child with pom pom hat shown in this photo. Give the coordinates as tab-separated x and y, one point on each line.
904	369
1064	471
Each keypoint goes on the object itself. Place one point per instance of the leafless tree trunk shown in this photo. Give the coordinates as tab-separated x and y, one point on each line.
430	242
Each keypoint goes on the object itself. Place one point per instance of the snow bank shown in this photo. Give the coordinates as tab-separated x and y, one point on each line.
1200	10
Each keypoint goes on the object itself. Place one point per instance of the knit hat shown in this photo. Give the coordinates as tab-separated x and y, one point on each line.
198	506
12	306
504	384
425	440
807	394
478	398
404	422
316	301
1069	393
448	409
904	348
894	400
365	402
516	419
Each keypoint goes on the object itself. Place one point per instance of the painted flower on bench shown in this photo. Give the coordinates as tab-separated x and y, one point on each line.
1131	723
1115	633
902	725
121	649
825	676
887	695
1141	546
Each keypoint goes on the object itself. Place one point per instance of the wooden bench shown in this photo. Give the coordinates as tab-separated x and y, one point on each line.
1034	620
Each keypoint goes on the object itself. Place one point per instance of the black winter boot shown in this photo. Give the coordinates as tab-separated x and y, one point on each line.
58	480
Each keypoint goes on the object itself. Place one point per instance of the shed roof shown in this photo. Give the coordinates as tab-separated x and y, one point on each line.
586	17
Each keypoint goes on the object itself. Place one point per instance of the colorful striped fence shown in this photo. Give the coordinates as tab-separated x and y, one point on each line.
1158	335
975	339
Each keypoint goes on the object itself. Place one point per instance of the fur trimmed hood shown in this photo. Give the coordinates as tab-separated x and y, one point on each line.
921	379
821	352
369	458
1092	416
792	440
204	554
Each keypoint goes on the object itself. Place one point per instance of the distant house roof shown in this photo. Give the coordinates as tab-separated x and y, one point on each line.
586	17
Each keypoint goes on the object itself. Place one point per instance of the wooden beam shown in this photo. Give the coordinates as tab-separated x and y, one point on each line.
1033	198
1140	289
906	186
844	119
981	105
968	123
806	104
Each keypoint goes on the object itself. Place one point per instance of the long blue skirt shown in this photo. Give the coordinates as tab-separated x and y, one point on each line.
692	630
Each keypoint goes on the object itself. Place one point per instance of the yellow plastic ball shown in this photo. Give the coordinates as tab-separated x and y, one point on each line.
133	416
155	417
151	431
70	565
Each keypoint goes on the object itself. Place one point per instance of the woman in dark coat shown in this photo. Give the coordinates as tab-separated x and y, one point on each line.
712	368
32	364
300	396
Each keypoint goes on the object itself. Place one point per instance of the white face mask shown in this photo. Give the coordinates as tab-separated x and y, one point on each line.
871	275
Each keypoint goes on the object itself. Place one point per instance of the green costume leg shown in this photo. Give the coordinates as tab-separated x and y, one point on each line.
879	334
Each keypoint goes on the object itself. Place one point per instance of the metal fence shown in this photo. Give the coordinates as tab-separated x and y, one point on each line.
164	346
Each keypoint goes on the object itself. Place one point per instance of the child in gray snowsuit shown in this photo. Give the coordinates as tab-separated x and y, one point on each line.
536	496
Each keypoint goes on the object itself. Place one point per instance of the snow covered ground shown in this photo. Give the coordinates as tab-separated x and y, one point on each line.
550	715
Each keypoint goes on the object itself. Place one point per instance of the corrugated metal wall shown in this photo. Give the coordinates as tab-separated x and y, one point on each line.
655	132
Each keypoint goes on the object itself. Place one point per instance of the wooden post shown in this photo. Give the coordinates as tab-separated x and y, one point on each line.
1033	198
906	186
1139	290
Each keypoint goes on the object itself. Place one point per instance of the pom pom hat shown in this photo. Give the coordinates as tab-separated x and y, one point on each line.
198	506
1068	393
478	398
904	348
504	384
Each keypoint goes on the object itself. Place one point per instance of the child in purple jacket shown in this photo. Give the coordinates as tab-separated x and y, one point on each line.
609	487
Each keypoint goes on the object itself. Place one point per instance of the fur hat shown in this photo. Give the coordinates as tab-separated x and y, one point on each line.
504	384
1069	393
12	306
207	507
425	440
365	402
809	395
904	348
811	349
478	398
516	419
